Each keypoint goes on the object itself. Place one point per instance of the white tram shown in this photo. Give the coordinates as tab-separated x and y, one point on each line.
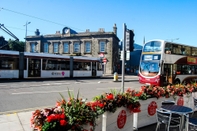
14	64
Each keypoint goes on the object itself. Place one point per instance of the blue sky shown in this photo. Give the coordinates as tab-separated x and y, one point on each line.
152	19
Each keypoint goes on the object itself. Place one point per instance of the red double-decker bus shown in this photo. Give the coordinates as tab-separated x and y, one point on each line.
164	62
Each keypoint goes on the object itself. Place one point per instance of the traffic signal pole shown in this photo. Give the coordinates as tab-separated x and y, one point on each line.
123	58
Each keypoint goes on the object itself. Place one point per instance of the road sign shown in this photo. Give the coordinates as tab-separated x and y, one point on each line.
105	60
121	55
101	55
128	55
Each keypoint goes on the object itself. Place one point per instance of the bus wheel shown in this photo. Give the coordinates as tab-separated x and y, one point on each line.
177	82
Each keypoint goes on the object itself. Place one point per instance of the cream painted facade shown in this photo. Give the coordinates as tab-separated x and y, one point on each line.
99	42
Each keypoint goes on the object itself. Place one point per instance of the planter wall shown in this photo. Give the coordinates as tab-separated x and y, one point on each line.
186	100
99	123
147	115
121	120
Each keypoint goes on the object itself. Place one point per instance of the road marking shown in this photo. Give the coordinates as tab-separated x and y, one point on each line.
45	84
39	92
48	84
103	82
104	88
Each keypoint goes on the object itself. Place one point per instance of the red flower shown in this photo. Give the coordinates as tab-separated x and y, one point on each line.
58	104
138	94
63	122
110	96
62	116
50	118
101	105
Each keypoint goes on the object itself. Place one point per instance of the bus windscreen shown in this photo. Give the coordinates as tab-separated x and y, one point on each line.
149	68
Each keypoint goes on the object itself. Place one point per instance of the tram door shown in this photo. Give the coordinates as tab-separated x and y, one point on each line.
34	68
94	69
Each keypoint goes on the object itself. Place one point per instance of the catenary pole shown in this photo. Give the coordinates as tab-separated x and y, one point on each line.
123	58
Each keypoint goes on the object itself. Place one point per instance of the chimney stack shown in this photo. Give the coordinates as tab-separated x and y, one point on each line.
115	29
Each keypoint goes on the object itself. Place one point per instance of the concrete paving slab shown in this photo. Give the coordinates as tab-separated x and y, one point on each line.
11	126
25	117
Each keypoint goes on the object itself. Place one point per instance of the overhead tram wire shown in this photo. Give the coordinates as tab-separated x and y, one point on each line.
8	32
38	18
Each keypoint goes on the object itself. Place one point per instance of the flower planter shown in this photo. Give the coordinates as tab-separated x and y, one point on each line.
147	115
186	100
98	123
121	120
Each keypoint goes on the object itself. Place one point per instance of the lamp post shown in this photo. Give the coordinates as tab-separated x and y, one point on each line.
26	34
173	39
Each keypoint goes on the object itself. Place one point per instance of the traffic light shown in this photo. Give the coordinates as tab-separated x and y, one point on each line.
129	40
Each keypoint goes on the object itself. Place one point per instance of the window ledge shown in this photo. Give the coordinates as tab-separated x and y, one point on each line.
87	52
102	52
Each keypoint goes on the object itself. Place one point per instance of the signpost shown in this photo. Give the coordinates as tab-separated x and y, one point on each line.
105	62
127	44
123	56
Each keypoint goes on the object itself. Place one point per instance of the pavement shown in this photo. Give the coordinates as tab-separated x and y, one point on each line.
21	122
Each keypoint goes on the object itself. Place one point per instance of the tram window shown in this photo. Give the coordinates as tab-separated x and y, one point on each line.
9	63
99	66
55	65
82	66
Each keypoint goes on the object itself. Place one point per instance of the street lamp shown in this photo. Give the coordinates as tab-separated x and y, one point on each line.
173	39
26	34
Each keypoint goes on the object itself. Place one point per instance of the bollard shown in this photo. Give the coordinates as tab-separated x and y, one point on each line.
115	76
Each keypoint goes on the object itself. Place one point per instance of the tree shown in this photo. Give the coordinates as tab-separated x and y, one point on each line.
16	45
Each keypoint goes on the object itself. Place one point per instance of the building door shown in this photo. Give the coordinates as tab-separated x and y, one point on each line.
34	68
93	69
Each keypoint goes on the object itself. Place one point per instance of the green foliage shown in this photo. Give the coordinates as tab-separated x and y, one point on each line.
79	113
16	45
49	126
